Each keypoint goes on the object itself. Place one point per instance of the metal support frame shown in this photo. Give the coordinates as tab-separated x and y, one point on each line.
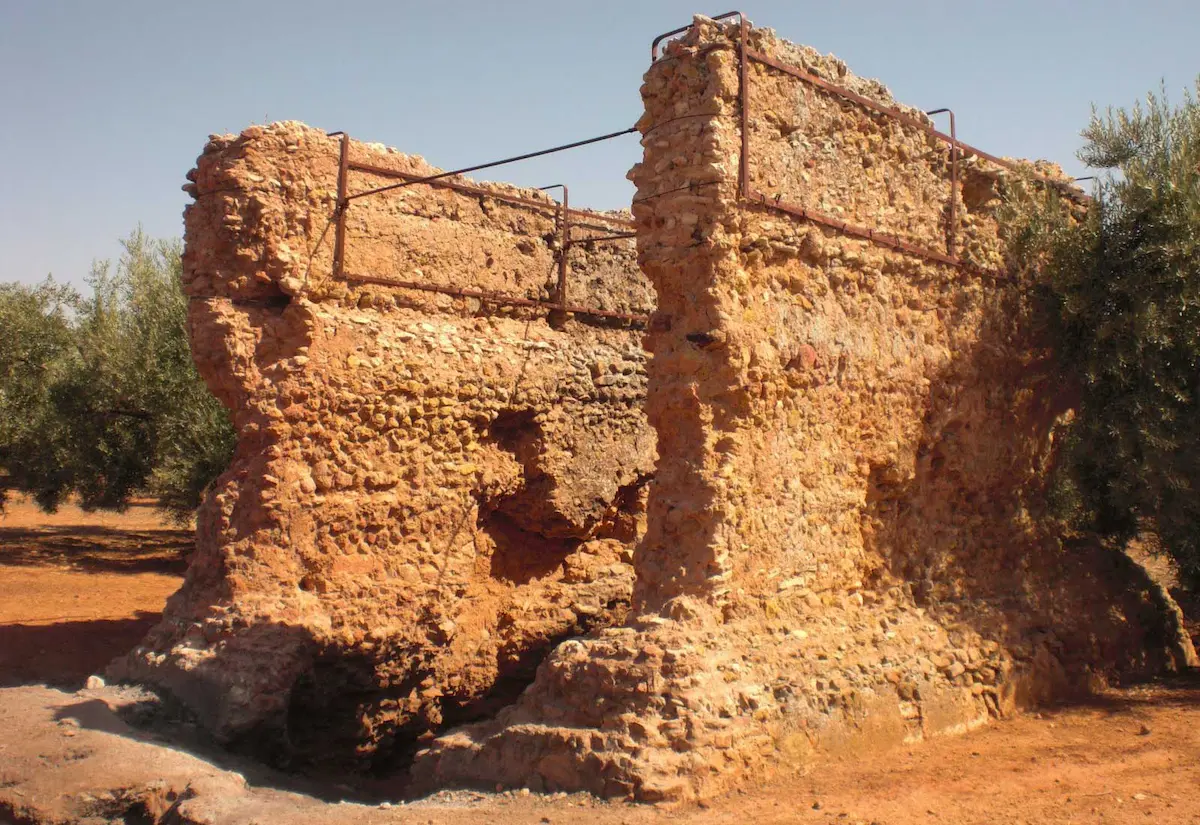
958	150
564	241
343	204
563	217
952	229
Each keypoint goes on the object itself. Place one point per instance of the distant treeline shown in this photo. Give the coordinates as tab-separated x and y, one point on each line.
99	397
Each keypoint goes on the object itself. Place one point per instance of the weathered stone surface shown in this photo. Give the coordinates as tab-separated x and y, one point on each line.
844	545
428	493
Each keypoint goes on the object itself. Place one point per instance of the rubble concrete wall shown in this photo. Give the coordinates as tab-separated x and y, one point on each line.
845	546
428	491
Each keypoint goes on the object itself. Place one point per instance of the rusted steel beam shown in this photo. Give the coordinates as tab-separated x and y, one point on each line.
490	164
497	298
908	120
564	241
881	238
549	206
744	94
343	204
617	236
951	234
564	256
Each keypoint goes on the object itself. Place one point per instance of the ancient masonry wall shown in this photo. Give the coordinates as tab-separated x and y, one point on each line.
844	548
428	492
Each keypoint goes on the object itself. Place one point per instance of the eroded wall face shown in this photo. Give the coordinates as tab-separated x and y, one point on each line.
428	491
844	548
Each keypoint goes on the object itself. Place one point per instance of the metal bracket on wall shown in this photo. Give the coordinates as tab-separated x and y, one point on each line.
562	210
958	150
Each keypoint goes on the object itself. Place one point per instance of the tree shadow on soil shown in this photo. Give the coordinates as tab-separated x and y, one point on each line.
1179	691
65	653
97	549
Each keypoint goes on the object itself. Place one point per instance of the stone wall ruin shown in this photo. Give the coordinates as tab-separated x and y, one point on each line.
429	491
843	548
842	545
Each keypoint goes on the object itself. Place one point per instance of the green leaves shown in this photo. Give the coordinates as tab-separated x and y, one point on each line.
99	396
1121	293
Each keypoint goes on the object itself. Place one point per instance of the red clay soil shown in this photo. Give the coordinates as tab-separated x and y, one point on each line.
77	589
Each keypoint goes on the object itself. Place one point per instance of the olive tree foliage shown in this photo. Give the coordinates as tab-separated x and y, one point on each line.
99	396
37	351
1119	294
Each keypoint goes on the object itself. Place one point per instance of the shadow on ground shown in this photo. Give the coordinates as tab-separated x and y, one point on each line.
97	549
64	653
141	715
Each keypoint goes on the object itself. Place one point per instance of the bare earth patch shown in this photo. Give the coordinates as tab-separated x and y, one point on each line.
77	589
1126	757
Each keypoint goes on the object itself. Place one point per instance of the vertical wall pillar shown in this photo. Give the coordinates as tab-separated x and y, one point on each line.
685	211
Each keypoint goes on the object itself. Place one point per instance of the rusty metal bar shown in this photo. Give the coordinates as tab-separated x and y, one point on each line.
951	233
682	29
490	164
498	298
908	120
744	94
597	238
482	192
564	241
564	257
881	238
343	205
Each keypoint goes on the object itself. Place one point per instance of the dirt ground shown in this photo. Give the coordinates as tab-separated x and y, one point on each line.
78	589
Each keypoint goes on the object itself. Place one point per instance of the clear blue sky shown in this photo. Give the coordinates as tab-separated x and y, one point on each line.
105	105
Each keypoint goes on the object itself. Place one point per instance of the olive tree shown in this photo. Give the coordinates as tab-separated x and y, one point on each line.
1120	292
101	399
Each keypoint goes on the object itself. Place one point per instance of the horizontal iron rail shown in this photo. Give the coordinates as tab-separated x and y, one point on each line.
490	164
616	236
908	120
548	205
881	238
498	298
